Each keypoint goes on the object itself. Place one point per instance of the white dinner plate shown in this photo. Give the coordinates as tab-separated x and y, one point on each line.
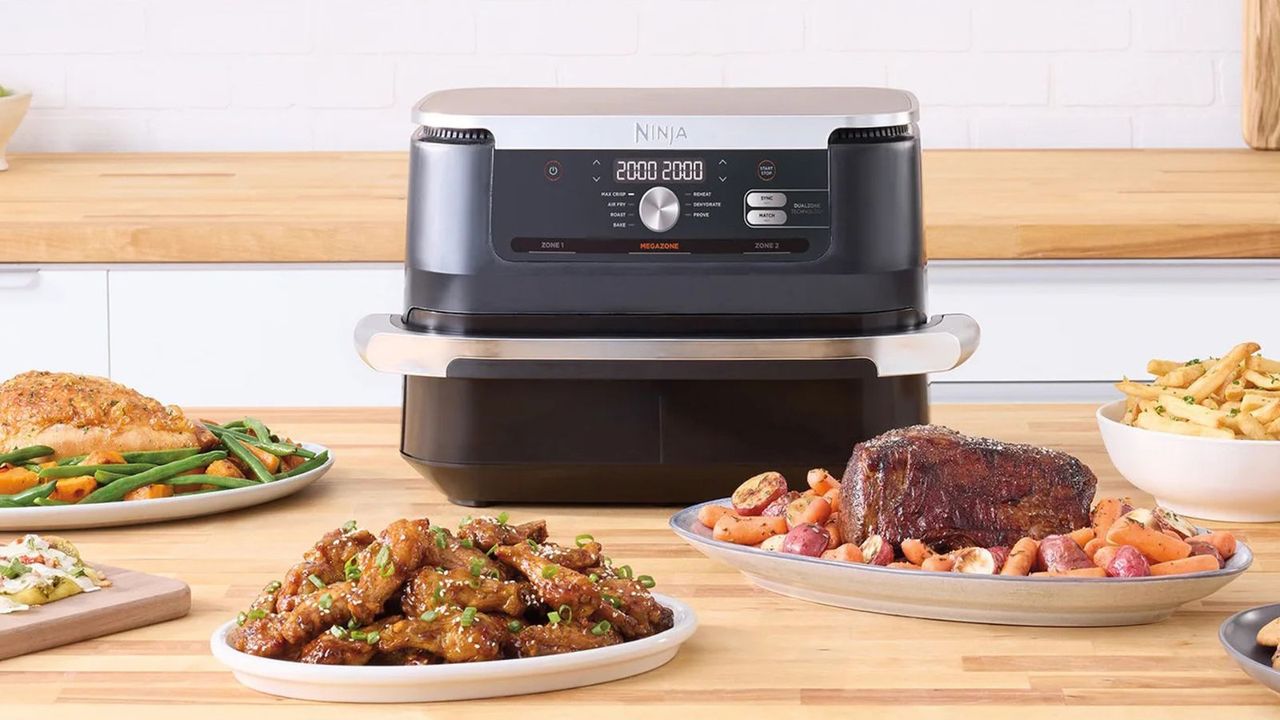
137	512
463	681
997	599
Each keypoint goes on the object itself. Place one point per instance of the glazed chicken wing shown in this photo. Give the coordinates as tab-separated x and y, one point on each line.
77	414
448	552
449	635
577	558
485	532
346	646
400	551
283	635
538	640
430	589
554	585
326	561
632	610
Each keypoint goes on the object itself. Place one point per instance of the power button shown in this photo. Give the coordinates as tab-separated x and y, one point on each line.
553	170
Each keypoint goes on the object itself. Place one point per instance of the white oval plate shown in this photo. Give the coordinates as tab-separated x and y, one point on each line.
149	511
996	599
463	681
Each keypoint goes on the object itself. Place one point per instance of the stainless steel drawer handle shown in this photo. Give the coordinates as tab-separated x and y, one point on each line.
943	343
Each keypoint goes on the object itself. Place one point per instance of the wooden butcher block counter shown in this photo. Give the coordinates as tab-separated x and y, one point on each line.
756	655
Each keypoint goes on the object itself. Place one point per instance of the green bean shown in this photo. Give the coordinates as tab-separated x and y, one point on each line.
71	460
238	449
277	449
76	470
124	486
257	428
8	504
106	478
160	457
220	481
28	496
49	502
307	466
32	467
23	454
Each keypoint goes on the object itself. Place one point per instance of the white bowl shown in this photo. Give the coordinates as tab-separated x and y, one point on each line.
12	109
464	681
1208	478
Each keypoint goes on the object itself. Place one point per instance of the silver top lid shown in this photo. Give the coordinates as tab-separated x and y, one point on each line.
665	118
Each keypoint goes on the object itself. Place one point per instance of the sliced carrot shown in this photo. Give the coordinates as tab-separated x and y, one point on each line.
848	552
1157	546
16	479
72	489
1193	564
915	551
708	514
748	530
1223	541
1022	556
1093	546
1082	536
938	563
1103	556
150	492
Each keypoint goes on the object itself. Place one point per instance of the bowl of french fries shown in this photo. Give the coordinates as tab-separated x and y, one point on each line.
1203	435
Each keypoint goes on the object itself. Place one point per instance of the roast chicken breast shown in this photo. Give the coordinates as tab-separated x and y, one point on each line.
77	414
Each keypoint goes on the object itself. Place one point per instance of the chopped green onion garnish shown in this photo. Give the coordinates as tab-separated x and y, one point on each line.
468	617
359	635
553	617
257	614
601	627
566	612
325	602
583	539
272	586
438	593
373	637
646	581
349	526
593	578
612	600
429	616
440	541
532	543
315	580
549	571
503	518
624	572
388	571
338	631
351	570
466	543
383	557
352	624
514	626
477	566
242	618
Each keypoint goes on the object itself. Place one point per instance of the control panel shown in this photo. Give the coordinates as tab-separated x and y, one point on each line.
645	205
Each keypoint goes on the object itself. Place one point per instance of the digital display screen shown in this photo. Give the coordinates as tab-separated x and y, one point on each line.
648	170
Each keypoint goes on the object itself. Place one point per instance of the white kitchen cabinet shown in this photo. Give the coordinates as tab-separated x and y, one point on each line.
53	320
1096	321
250	336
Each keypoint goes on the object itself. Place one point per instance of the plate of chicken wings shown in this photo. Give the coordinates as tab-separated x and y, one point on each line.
420	612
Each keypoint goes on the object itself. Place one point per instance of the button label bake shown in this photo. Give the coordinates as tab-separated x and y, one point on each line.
766	199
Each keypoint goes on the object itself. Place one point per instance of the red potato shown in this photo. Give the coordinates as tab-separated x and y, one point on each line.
876	551
1169	520
1204	548
754	495
773	544
807	509
1126	562
778	508
974	561
1059	553
808	539
915	551
821	481
747	530
1000	554
709	514
1224	541
847	552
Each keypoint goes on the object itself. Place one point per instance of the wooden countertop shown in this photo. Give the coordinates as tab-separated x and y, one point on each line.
755	655
322	207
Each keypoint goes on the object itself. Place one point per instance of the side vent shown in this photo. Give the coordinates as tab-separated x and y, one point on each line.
456	136
862	136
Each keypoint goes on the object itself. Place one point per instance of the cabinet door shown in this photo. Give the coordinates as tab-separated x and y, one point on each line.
53	320
1098	321
270	336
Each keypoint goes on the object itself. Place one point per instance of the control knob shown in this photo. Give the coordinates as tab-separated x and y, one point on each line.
659	209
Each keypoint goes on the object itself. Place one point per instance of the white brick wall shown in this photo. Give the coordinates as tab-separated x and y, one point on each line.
341	74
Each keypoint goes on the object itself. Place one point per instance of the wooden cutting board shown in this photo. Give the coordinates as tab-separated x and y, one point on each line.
134	600
1261	107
